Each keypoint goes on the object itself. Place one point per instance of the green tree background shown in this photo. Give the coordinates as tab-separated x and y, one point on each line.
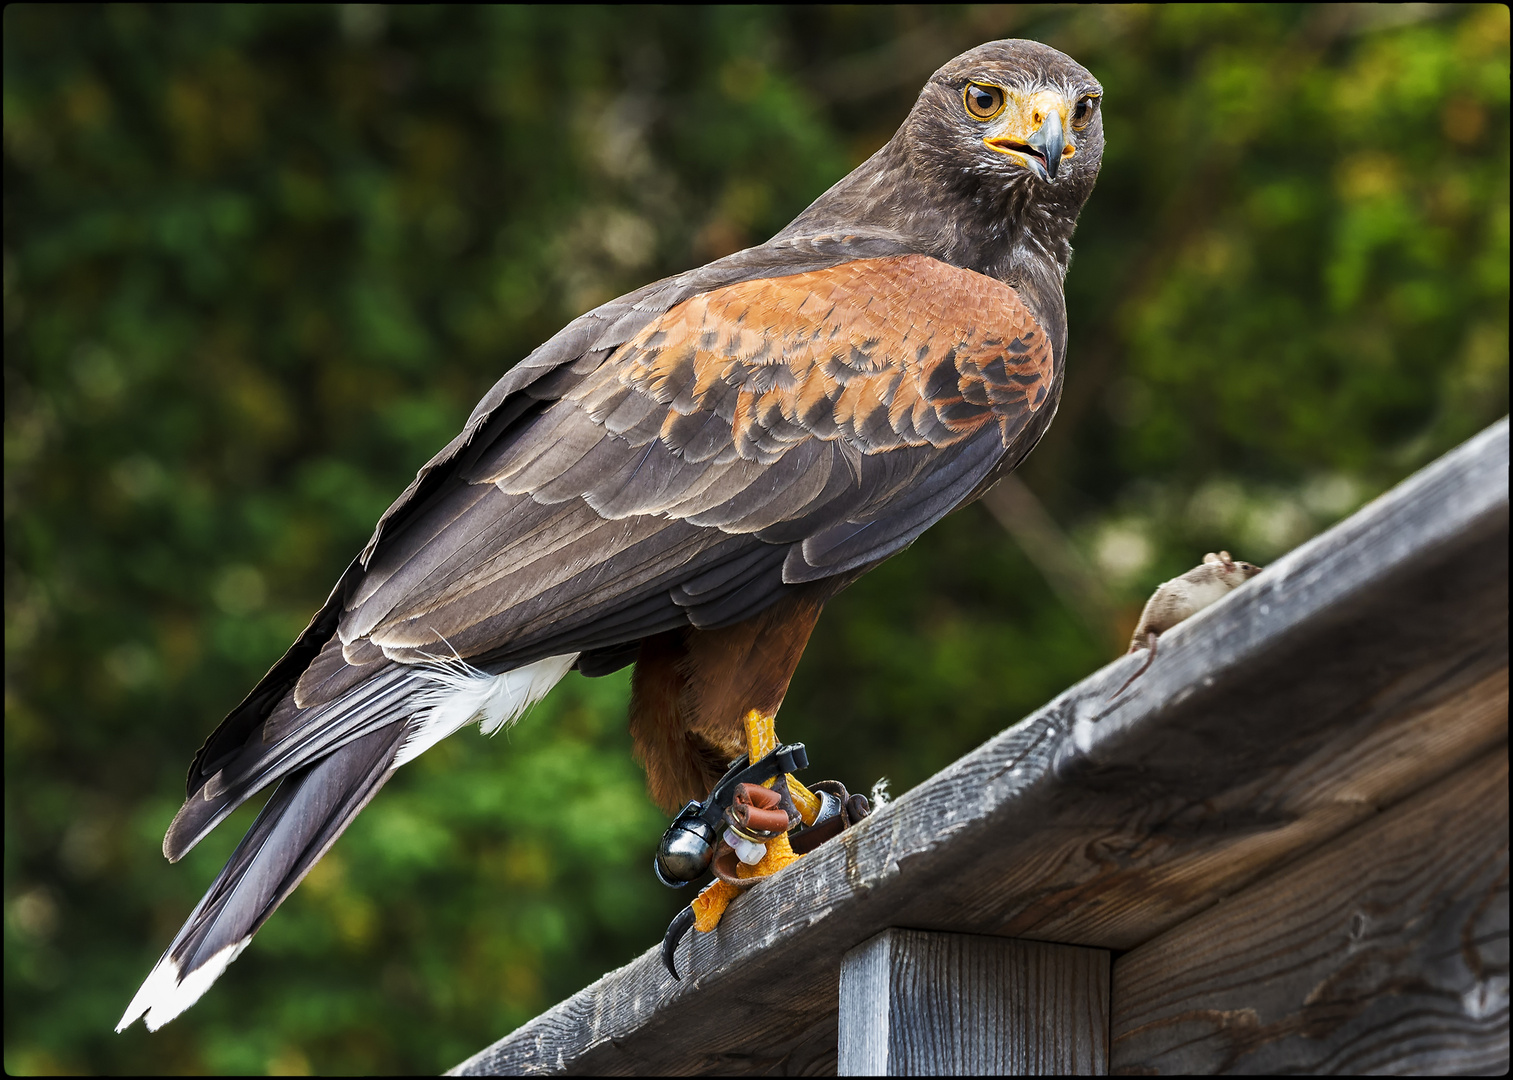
259	262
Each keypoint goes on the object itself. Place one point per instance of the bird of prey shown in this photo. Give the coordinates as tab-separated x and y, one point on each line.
679	479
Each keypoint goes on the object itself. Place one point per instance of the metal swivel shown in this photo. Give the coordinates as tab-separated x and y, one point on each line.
686	848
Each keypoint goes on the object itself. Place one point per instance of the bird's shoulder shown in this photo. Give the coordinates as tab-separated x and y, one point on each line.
881	352
582	346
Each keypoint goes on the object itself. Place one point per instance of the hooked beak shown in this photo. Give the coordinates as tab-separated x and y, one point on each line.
1040	148
1050	141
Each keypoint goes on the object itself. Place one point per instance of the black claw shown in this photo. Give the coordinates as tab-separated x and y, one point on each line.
677	930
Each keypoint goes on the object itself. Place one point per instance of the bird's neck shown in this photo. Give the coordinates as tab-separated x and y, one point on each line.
1004	235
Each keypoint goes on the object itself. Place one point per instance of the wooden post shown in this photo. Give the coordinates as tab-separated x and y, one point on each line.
920	1003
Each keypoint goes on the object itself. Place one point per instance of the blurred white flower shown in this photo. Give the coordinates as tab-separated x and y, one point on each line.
628	239
1274	525
1217	506
1123	550
1331	495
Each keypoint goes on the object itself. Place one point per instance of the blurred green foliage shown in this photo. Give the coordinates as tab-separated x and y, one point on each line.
259	262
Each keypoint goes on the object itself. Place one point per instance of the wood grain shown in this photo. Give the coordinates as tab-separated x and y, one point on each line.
1384	952
920	1003
1349	675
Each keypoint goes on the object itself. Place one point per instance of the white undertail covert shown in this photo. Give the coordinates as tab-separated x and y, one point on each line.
460	694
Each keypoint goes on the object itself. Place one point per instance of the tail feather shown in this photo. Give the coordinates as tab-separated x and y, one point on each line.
302	820
313	805
461	694
374	706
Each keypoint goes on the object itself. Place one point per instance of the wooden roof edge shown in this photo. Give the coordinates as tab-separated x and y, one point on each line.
1309	660
1444	505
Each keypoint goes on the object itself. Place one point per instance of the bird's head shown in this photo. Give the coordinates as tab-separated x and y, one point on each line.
989	170
1015	115
1015	118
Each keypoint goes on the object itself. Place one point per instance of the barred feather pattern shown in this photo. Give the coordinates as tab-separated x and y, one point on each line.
800	410
881	353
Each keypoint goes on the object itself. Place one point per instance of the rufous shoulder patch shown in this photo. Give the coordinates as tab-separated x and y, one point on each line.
883	353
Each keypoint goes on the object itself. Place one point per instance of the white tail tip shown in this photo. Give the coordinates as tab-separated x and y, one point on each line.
164	995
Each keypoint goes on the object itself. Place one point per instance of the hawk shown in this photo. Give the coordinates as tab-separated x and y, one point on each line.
679	479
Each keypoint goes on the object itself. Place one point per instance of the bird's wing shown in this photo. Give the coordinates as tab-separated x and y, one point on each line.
578	348
753	436
765	433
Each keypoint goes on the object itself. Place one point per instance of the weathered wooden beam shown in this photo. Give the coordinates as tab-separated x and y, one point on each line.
924	1003
1386	951
1303	703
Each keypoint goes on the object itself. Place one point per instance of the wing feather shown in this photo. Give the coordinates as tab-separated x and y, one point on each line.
834	413
679	456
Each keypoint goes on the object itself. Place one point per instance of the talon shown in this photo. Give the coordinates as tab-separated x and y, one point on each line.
677	930
755	838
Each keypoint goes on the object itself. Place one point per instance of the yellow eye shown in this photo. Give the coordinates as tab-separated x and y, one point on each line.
1082	115
983	102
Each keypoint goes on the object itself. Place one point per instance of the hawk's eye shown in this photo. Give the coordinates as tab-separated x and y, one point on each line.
1083	113
983	102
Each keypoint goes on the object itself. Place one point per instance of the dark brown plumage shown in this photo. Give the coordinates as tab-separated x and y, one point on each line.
681	478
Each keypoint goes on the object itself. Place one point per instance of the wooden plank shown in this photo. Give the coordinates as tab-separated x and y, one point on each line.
1384	952
923	1003
1337	683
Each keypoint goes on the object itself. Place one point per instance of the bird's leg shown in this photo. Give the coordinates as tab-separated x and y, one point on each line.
765	814
761	740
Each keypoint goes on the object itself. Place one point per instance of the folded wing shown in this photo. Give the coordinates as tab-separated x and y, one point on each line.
755	436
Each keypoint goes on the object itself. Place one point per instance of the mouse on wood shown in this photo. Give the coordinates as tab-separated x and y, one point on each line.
1183	597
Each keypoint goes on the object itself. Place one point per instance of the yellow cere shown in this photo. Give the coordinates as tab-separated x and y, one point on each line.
1024	116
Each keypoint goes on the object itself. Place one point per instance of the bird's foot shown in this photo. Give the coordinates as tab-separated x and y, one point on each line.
733	877
756	840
